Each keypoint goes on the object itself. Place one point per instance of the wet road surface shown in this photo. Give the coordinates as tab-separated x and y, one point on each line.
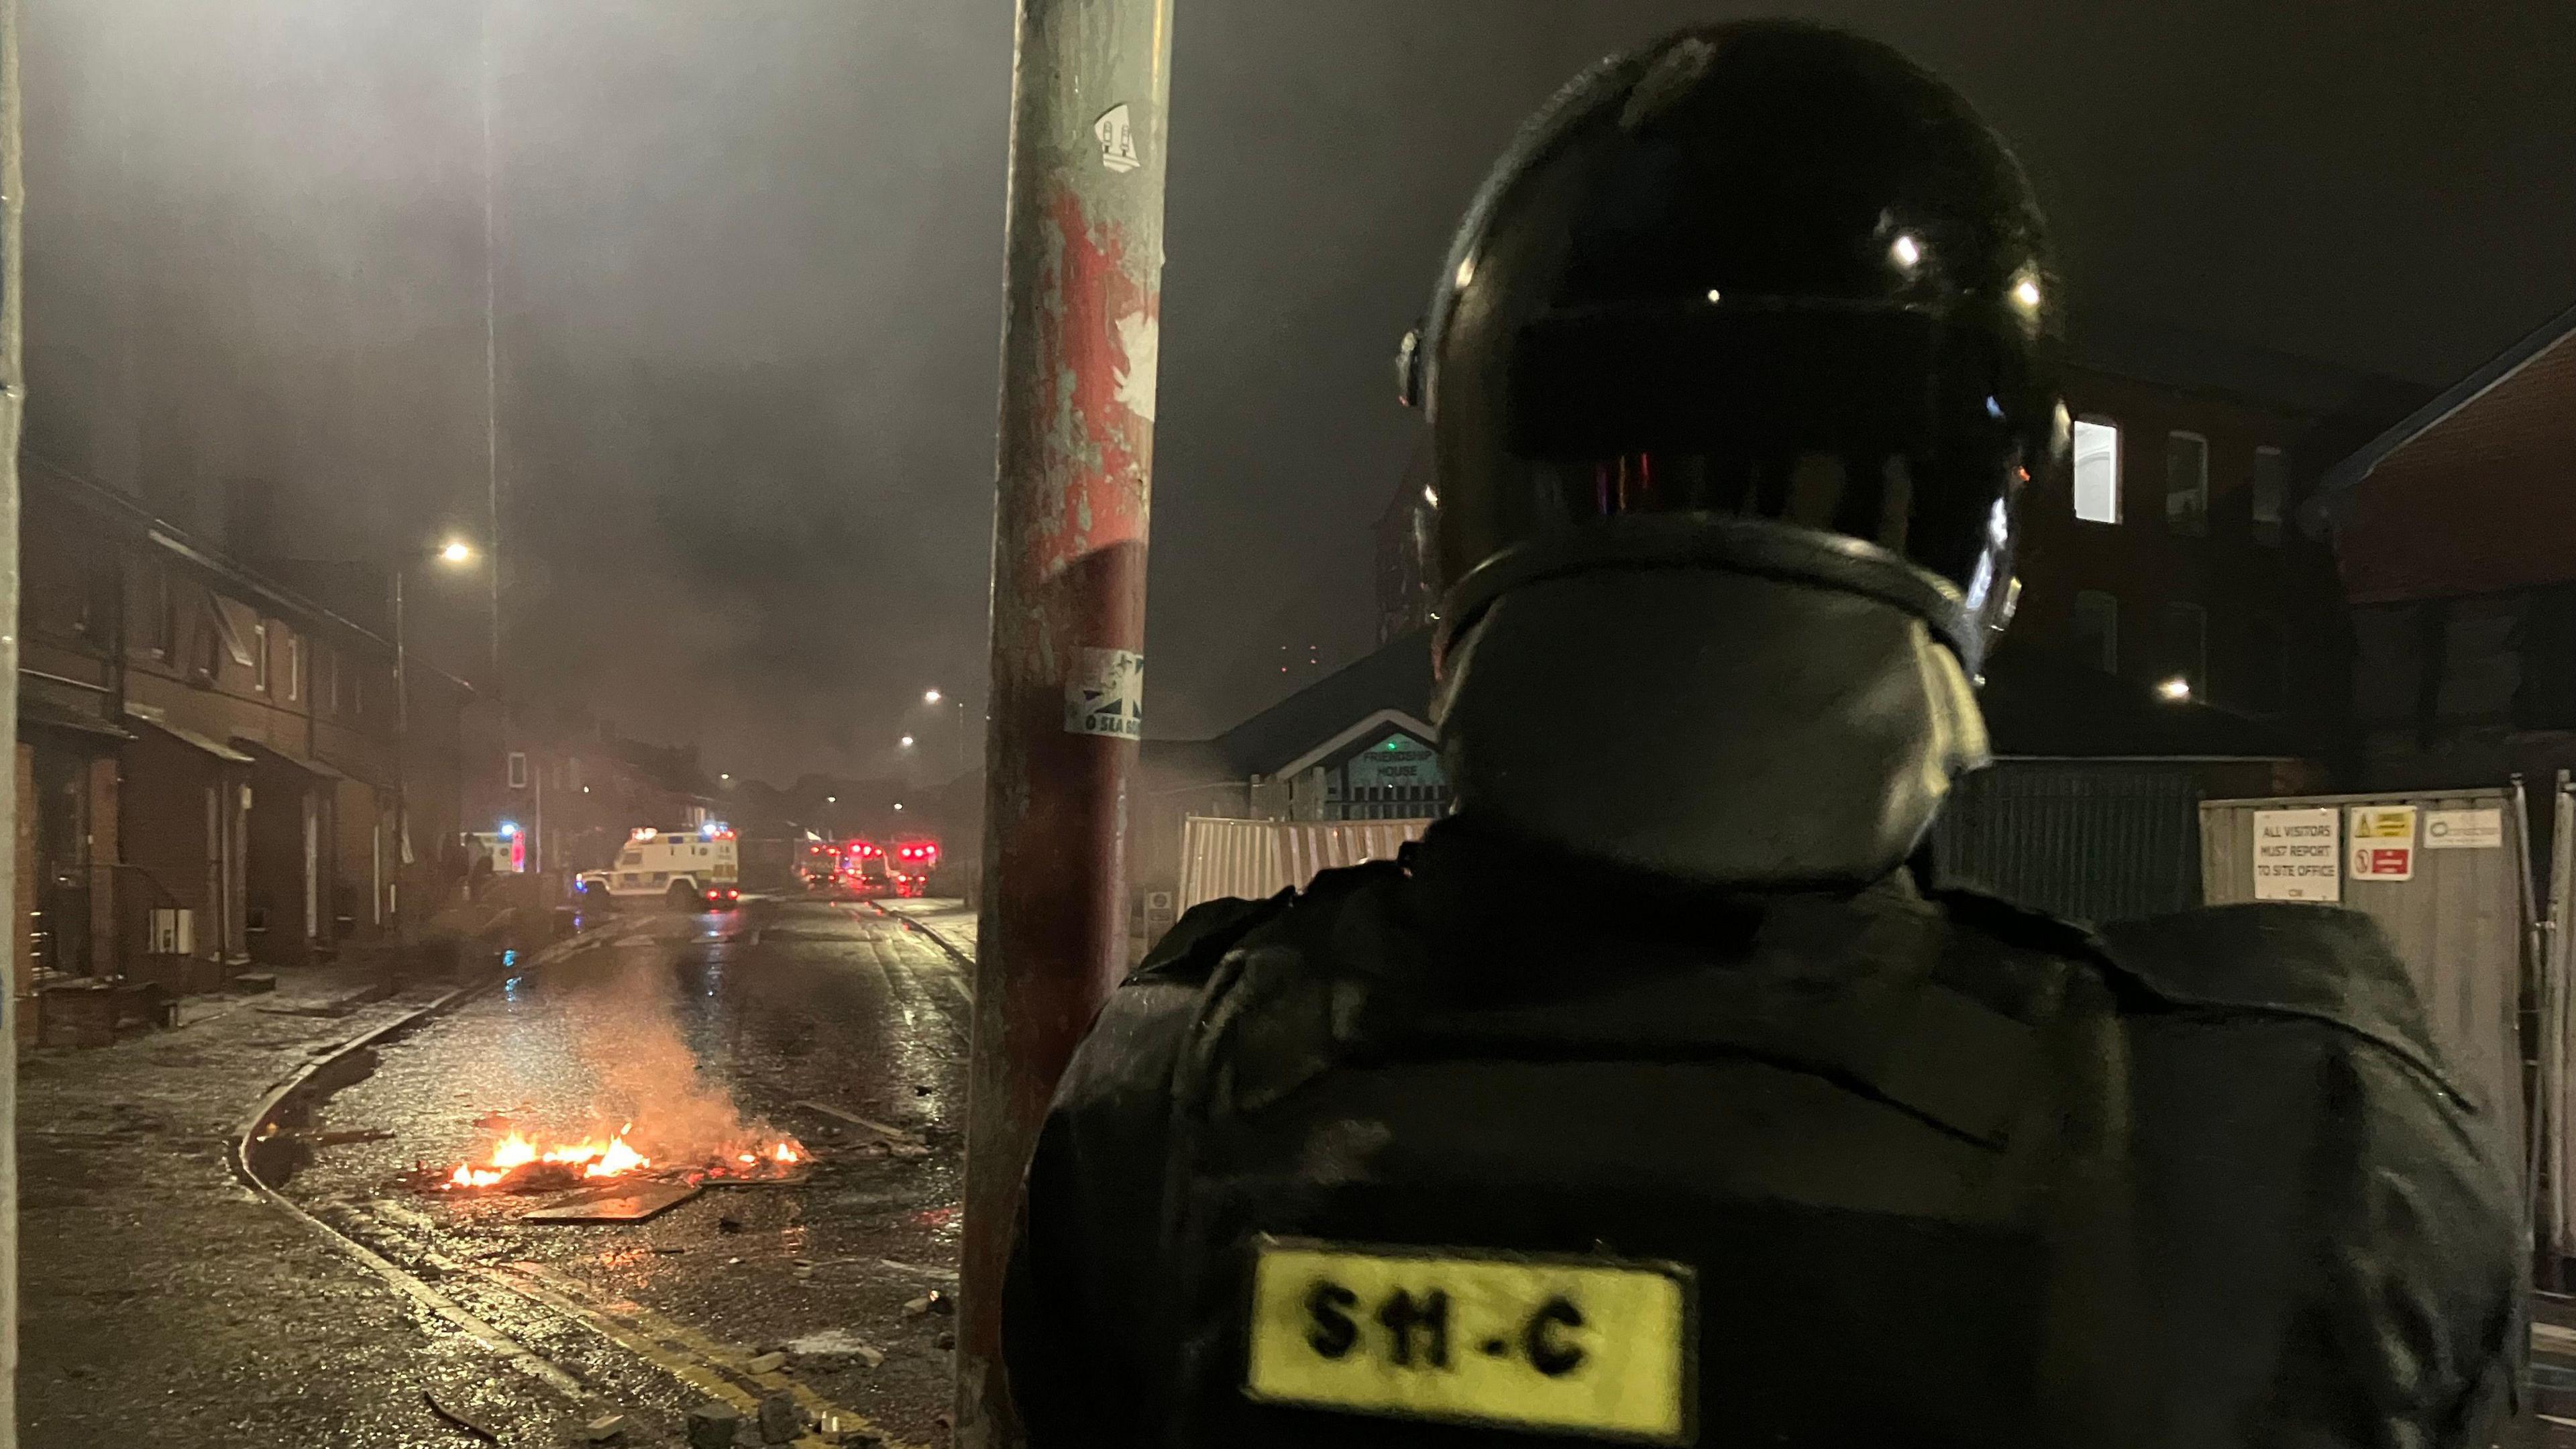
804	1020
165	1304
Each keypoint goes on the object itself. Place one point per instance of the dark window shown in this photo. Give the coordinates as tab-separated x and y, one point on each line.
2544	698
2271	493
2187	483
2095	630
61	590
2186	652
2266	663
160	612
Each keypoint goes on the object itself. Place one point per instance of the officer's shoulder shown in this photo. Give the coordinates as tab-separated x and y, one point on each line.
2283	962
1190	951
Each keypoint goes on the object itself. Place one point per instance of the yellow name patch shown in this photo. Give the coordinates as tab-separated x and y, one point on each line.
1575	1345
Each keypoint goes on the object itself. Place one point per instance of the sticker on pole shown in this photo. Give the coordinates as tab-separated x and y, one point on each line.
1106	695
2382	843
2294	856
1117	133
2464	830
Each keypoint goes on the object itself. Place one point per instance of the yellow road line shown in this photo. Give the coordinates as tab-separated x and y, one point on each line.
678	1350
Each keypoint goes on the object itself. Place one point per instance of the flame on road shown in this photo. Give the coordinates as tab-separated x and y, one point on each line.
612	1157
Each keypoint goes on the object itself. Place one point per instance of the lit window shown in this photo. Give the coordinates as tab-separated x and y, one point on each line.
2271	492
294	667
259	657
2187	483
2096	630
2097	470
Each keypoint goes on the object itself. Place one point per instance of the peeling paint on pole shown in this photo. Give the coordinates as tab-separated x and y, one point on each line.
12	411
1081	335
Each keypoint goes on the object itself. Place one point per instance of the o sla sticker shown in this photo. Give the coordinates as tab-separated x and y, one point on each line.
1106	695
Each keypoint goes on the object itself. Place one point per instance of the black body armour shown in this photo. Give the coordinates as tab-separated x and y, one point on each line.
1400	1161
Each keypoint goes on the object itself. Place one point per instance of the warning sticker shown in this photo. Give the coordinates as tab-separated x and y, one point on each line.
2382	843
1106	695
2294	856
2464	830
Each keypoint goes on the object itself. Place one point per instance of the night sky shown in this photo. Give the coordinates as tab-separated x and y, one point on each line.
748	267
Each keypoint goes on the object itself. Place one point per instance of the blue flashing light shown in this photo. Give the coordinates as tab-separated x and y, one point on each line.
509	830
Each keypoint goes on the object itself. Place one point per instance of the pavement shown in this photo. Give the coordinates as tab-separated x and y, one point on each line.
163	1303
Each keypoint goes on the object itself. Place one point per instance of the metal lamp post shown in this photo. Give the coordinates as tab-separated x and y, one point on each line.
455	553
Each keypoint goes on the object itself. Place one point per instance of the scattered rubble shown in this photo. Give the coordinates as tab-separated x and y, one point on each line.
835	1343
713	1425
845	1431
767	1363
781	1421
460	1418
603	1429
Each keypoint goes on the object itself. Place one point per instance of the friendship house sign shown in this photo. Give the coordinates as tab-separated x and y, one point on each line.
2298	856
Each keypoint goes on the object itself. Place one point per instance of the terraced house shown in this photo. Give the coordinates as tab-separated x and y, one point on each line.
212	768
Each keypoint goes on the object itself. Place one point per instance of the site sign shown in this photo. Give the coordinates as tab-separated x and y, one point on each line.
2294	856
2381	845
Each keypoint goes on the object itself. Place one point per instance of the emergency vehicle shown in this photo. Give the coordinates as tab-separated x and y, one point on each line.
689	870
909	863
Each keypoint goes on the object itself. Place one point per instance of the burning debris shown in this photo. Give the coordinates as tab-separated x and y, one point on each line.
675	1123
517	1164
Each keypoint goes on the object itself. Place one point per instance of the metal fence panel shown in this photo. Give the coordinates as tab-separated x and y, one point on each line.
2089	840
2460	925
1256	858
2555	1091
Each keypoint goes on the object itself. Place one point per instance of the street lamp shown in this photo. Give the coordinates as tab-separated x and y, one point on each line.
2175	690
956	720
454	553
907	742
898	805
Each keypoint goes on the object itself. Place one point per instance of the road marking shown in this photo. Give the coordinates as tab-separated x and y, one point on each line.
891	1134
678	1350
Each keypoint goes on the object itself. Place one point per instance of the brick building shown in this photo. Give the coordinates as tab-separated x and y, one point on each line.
2456	534
2169	556
2166	556
206	767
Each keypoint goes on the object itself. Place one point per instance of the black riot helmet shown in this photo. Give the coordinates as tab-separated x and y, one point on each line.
1763	297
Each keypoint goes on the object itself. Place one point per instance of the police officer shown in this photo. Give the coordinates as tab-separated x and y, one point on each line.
1658	1095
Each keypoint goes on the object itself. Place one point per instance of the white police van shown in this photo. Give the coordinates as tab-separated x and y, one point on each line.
689	870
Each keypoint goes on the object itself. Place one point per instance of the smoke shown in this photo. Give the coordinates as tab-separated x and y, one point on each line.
647	1082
